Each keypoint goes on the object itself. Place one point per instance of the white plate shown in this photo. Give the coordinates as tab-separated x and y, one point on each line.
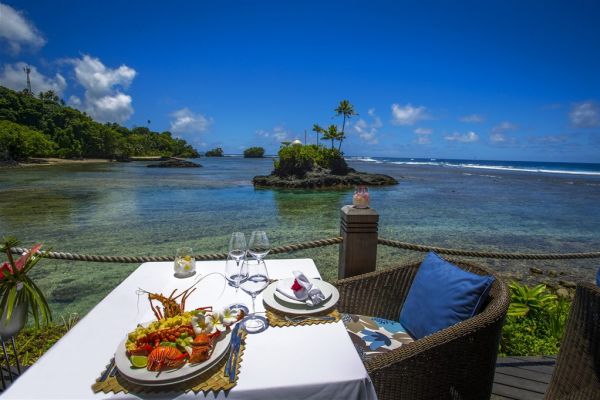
283	299
144	377
302	309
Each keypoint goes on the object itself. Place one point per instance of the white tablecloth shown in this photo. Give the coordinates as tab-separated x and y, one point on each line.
309	362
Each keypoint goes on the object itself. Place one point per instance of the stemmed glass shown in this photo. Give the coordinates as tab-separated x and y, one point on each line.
257	281
235	275
258	247
237	246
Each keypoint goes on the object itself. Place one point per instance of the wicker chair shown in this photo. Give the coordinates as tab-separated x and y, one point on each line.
455	363
577	372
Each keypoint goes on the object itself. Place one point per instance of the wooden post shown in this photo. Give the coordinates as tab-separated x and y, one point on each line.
358	251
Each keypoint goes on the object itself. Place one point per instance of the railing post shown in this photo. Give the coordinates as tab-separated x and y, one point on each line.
358	251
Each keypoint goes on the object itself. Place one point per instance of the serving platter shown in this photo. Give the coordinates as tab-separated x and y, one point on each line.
142	376
285	305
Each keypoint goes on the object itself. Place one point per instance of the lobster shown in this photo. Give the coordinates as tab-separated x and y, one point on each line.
165	356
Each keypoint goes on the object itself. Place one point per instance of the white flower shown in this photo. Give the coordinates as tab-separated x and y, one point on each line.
216	320
202	323
230	316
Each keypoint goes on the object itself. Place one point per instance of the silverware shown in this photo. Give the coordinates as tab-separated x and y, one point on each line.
108	370
302	318
234	339
236	356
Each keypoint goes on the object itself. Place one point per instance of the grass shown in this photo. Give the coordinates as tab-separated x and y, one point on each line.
32	343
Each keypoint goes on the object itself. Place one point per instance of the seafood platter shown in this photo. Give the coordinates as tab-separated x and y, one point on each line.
178	345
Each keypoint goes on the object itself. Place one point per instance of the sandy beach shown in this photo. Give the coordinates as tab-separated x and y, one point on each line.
36	162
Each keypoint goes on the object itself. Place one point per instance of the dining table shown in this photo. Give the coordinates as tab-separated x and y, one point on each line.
291	362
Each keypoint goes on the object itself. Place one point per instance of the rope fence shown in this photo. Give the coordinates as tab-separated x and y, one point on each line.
59	255
485	254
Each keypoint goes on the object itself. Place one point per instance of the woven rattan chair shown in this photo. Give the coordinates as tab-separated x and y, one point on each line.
455	363
577	372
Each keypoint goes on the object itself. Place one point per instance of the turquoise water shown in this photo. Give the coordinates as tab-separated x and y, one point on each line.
126	208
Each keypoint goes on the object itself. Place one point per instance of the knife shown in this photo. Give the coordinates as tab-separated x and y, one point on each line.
234	339
108	370
236	354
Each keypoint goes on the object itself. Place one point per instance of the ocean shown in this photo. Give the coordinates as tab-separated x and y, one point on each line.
128	209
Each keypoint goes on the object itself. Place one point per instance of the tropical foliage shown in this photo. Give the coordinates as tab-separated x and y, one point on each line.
535	323
16	287
298	160
46	127
218	152
346	110
254	152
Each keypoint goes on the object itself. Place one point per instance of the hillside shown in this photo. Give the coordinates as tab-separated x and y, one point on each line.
44	126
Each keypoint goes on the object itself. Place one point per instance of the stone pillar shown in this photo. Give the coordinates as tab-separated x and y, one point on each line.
358	251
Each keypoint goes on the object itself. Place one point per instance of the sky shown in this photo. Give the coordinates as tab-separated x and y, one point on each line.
492	80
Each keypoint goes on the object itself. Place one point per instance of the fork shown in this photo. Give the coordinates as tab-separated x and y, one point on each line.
309	318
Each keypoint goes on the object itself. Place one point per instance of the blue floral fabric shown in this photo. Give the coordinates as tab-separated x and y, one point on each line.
372	335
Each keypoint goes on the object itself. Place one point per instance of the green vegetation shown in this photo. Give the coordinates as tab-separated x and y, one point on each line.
32	343
18	142
346	110
299	160
535	323
254	152
218	152
45	127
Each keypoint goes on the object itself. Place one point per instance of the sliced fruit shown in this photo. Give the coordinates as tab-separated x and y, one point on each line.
139	361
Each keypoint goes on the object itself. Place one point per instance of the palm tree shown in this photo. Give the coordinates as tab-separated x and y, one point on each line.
331	134
317	128
346	110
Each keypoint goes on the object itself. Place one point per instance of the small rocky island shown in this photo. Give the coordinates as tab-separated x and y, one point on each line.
172	162
314	166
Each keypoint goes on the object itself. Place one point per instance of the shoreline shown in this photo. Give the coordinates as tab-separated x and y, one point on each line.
36	162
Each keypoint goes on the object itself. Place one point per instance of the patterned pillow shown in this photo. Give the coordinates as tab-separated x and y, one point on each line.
372	335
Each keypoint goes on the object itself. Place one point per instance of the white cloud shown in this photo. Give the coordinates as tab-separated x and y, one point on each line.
99	80
278	133
367	131
104	98
423	135
407	115
585	115
468	137
472	118
186	121
498	134
116	107
17	31
13	77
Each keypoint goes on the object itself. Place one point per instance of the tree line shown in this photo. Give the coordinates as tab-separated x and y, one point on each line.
44	126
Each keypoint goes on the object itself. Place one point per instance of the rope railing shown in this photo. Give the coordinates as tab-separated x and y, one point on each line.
58	255
486	254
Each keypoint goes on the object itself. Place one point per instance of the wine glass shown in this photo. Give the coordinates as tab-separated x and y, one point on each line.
257	281
235	275
234	272
237	246
258	247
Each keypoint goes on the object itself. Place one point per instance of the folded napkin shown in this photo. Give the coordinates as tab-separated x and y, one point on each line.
301	290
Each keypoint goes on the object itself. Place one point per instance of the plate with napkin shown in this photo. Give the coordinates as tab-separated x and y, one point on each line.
300	295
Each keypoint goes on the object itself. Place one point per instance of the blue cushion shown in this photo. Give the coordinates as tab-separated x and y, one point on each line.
442	295
598	278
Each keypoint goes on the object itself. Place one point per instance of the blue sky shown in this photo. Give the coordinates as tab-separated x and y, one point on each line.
510	80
